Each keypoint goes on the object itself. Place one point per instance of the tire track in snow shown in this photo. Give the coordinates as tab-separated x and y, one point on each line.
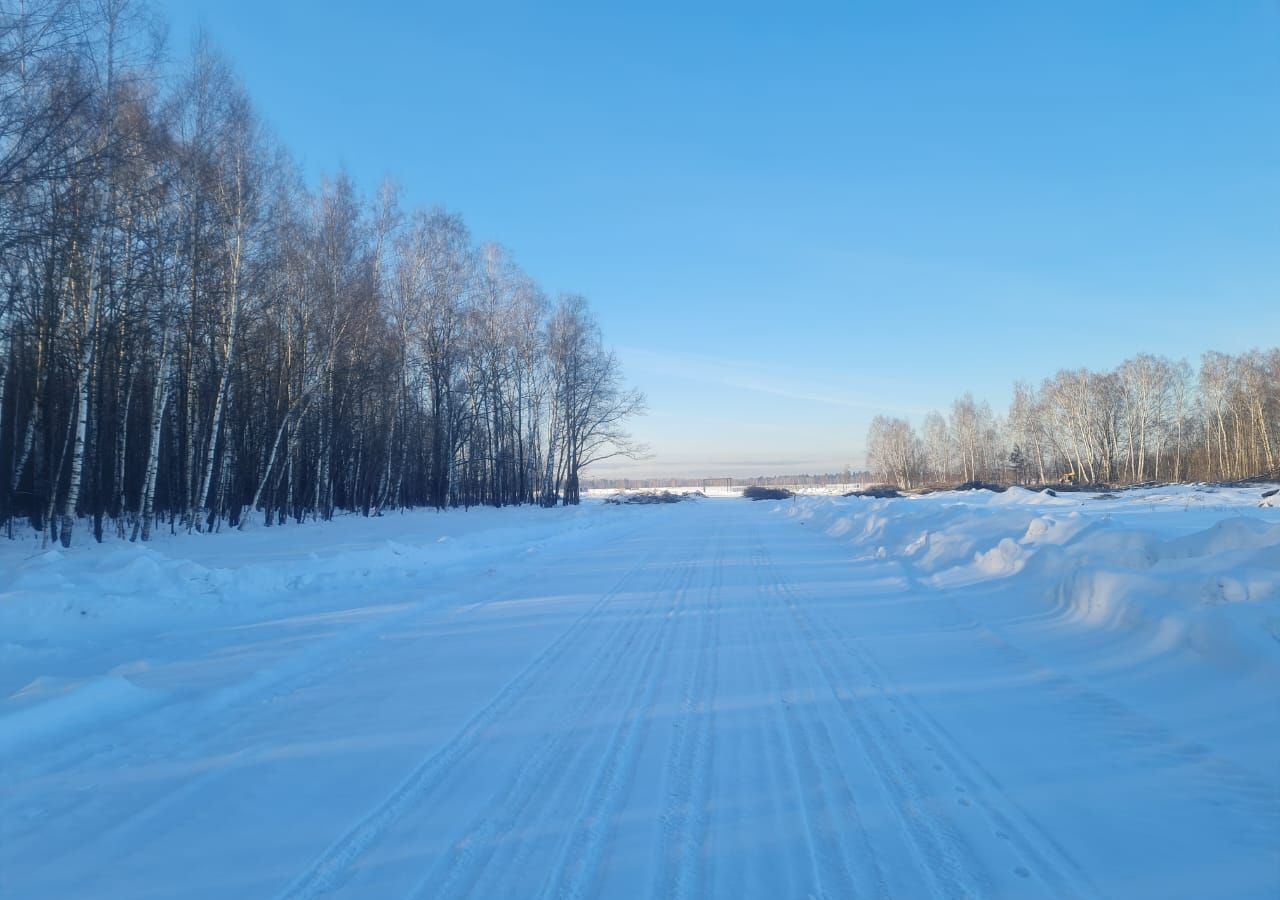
574	872
946	859
966	874
1126	727
1049	859
332	866
543	772
690	759
188	720
524	849
193	719
834	871
190	727
763	758
193	725
1140	736
1219	781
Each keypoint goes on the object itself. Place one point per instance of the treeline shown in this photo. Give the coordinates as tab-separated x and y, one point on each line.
819	480
188	333
1150	419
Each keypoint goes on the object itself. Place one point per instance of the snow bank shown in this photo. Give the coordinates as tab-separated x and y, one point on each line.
49	708
77	625
1175	568
233	574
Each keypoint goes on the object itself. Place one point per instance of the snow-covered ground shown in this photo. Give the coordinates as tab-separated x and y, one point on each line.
720	490
955	695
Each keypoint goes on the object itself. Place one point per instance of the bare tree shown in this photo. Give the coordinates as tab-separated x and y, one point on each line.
895	451
186	329
1150	418
590	404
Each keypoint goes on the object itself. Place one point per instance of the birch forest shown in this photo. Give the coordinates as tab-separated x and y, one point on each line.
191	336
1150	419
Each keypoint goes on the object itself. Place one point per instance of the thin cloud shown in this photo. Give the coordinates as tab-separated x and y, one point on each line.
770	381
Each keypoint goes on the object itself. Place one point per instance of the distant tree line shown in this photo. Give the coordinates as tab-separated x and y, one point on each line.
820	480
1150	419
190	334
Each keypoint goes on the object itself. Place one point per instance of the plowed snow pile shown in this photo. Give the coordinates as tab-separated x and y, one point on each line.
965	694
1167	569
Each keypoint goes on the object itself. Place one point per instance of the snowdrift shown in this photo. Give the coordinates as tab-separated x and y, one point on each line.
1177	568
233	575
71	620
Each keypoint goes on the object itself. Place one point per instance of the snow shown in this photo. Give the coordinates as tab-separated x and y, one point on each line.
720	490
978	694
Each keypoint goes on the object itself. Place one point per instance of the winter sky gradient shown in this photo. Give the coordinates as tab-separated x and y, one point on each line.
890	203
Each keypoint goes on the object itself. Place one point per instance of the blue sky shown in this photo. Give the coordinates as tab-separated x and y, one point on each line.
791	217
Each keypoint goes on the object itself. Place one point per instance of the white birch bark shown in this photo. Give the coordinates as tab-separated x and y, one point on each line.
82	418
224	379
158	404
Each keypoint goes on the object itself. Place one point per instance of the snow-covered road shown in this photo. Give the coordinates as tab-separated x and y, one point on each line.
821	698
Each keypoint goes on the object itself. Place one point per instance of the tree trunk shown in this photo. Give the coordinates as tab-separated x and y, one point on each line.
158	404
81	419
